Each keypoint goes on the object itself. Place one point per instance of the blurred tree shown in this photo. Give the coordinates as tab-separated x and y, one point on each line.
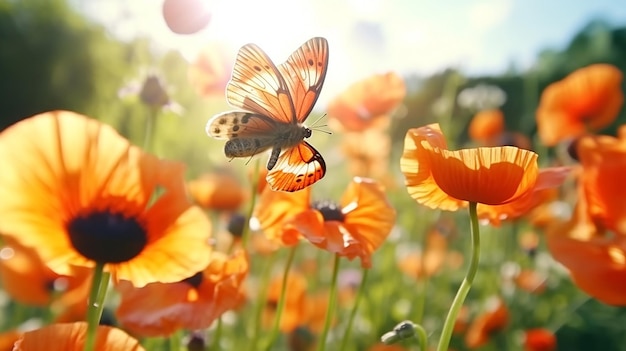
51	57
596	42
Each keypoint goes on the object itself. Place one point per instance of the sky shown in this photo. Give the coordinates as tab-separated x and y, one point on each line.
373	36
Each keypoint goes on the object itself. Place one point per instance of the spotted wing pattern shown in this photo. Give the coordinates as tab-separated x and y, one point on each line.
304	73
239	124
257	85
297	168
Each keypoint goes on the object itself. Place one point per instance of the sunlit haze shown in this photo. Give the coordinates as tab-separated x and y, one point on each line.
482	36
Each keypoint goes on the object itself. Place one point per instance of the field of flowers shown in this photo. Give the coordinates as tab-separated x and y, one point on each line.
461	234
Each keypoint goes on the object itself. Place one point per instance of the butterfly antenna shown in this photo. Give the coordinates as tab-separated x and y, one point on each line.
319	129
314	124
316	127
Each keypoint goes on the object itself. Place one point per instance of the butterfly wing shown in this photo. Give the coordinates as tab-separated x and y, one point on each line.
239	124
297	168
257	85
304	73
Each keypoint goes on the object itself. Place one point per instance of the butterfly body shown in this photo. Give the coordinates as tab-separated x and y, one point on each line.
277	100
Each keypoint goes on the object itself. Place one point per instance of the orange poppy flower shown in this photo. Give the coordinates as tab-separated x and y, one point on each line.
210	71
219	191
367	103
354	228
367	153
531	281
160	309
486	125
295	309
79	193
603	161
71	337
539	339
588	99
27	280
494	319
447	180
275	208
596	262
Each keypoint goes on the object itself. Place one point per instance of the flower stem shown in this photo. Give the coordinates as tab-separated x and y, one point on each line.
357	300
97	294
260	303
466	285
331	305
174	341
245	235
151	121
281	301
215	343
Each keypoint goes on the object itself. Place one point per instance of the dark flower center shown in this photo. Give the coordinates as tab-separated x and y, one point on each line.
195	280
107	237
329	210
236	224
572	149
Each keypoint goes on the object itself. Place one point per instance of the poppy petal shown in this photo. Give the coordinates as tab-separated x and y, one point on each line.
490	176
369	216
71	337
159	309
274	208
74	168
415	165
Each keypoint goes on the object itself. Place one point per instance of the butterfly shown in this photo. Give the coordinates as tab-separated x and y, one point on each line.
277	100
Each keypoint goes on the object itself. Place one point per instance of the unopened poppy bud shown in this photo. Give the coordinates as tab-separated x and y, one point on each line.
403	330
153	92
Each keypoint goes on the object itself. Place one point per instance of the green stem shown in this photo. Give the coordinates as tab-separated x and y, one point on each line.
282	299
331	305
423	337
174	341
265	278
466	285
245	235
357	300
215	343
150	129
97	295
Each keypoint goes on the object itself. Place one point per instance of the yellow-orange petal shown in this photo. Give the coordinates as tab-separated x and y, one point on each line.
415	165
74	168
71	337
159	309
440	178
274	208
490	176
369	216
